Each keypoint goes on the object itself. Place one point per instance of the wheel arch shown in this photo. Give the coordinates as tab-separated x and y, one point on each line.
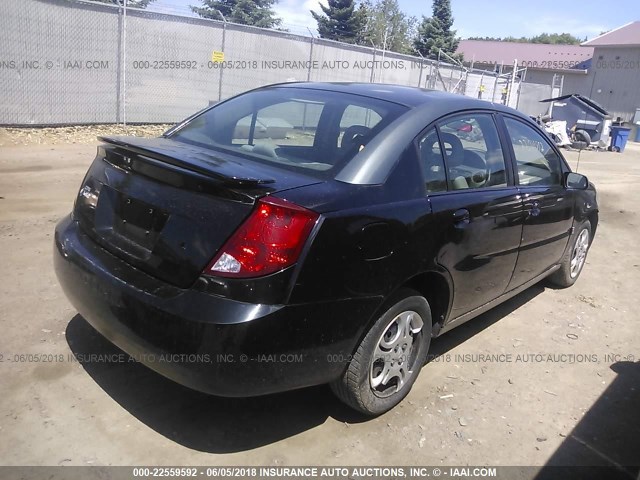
593	219
437	288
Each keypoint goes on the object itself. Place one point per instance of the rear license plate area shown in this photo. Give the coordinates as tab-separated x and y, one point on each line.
138	220
129	219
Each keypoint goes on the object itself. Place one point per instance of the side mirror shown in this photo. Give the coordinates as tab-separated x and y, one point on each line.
576	181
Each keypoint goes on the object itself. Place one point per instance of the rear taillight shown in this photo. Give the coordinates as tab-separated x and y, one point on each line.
268	241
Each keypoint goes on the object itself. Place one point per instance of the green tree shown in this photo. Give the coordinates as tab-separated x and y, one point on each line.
388	27
258	13
556	39
130	3
341	21
546	38
435	34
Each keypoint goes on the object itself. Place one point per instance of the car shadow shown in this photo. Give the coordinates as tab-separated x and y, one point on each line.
225	425
606	441
197	420
460	334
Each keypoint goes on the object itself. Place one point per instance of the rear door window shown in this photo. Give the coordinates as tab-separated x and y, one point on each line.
472	152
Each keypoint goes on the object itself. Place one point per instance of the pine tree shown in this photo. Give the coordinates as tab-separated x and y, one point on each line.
258	13
435	34
341	21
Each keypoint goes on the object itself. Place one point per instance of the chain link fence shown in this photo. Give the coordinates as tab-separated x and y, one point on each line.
68	62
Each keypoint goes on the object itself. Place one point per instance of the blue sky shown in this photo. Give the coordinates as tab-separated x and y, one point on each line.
497	18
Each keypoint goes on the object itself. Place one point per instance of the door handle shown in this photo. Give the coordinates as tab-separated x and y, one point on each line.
461	218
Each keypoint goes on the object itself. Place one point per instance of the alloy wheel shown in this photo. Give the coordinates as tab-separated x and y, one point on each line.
579	253
394	357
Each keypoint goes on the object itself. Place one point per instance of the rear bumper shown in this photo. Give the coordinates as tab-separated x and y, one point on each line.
206	342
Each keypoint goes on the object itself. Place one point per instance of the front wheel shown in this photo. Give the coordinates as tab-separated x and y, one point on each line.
574	257
389	358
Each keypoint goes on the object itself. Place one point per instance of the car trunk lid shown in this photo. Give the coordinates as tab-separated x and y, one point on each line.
166	207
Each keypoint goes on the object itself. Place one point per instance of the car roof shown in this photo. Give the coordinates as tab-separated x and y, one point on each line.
372	165
405	95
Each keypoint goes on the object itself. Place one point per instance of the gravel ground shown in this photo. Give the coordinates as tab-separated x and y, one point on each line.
465	408
83	134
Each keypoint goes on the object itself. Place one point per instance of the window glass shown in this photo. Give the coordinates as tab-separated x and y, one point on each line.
472	151
537	163
355	125
294	128
359	115
432	162
288	123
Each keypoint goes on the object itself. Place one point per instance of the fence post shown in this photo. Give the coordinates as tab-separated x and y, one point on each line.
310	61
121	86
124	66
304	112
513	81
224	35
118	112
373	65
421	66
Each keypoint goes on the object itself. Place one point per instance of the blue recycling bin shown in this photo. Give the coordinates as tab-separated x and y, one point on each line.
637	139
619	137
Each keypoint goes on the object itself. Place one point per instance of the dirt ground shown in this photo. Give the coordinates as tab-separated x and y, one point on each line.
564	390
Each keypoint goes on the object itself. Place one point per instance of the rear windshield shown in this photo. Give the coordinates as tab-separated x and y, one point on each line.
317	131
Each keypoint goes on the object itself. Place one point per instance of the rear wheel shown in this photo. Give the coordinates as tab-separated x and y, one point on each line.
389	358
574	257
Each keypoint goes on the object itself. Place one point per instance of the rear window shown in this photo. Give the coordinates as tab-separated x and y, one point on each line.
317	131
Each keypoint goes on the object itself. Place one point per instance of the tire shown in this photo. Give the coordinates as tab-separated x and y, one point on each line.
363	385
582	136
581	140
577	250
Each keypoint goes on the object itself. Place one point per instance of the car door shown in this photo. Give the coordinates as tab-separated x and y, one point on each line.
476	209
548	206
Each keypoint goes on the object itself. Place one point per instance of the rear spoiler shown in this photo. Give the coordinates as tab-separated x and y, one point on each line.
152	154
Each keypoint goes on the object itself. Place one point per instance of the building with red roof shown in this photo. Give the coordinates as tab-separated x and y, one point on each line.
606	69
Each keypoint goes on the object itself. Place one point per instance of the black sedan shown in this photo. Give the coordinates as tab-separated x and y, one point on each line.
308	233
